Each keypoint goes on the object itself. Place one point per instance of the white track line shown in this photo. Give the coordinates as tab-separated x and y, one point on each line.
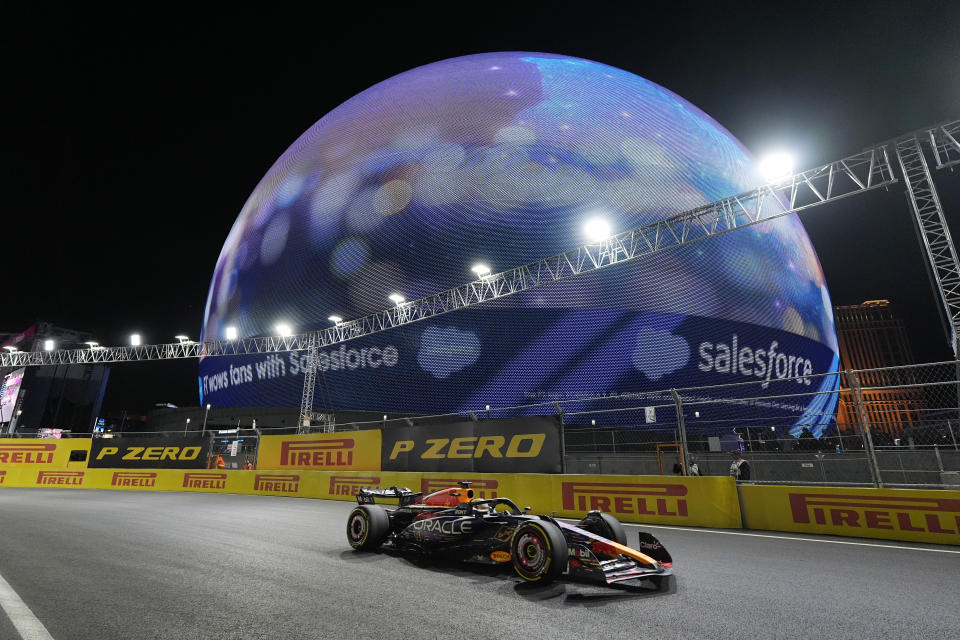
26	623
763	535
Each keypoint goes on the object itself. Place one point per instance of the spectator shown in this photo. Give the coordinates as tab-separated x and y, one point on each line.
739	468
693	469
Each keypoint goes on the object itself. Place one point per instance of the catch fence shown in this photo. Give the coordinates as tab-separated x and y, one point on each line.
896	426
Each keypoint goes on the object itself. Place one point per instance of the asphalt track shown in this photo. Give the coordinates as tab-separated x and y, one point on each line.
109	564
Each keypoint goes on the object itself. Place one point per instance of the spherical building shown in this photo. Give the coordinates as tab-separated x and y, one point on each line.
501	159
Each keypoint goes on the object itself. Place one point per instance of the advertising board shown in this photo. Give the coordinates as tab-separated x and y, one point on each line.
149	453
528	445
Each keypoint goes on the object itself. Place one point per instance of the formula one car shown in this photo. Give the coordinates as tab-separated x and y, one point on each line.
452	524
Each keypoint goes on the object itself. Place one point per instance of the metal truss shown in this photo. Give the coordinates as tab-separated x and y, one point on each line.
944	142
933	227
856	174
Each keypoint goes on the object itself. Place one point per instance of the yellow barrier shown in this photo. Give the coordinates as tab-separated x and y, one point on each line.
354	450
34	453
893	514
703	502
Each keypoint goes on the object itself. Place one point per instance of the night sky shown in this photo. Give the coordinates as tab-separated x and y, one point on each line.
132	140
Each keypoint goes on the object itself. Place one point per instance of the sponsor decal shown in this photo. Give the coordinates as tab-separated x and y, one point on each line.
448	526
625	498
521	445
153	454
578	551
280	482
484	489
60	478
334	452
27	453
500	556
350	485
205	480
149	453
134	479
3	475
933	515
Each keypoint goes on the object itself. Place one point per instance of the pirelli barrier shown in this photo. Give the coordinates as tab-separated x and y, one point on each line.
335	466
701	502
44	453
894	514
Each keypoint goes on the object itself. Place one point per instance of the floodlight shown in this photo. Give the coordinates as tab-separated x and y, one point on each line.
776	166
283	330
230	333
49	345
396	298
481	270
135	340
93	345
182	338
335	319
597	229
11	349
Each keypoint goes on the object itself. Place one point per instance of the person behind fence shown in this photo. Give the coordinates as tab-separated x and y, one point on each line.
739	468
693	469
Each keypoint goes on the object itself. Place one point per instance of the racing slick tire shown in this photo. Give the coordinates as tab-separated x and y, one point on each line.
604	524
614	529
367	527
538	551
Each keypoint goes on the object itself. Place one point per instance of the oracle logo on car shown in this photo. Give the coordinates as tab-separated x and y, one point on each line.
335	452
485	489
625	498
60	478
933	515
350	485
27	453
205	480
134	479
279	482
448	526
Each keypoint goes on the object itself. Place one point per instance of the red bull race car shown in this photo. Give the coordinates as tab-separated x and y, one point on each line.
453	524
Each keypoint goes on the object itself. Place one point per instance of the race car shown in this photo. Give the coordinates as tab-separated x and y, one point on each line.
453	524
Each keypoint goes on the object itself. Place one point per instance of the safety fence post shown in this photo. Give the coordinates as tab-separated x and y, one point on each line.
854	383
563	439
684	452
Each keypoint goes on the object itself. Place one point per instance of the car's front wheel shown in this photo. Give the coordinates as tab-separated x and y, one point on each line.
367	527
538	551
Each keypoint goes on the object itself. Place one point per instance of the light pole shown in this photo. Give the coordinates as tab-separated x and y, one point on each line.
205	419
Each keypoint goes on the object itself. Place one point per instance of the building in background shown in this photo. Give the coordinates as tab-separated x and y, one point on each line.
66	397
872	338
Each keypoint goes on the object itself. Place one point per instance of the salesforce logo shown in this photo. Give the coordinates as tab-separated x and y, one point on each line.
350	359
747	361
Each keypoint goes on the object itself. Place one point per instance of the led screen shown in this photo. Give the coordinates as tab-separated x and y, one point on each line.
9	391
501	159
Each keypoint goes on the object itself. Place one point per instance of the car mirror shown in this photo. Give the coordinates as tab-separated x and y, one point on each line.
525	509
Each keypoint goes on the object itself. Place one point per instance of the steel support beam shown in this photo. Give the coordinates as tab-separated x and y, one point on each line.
945	142
851	176
937	241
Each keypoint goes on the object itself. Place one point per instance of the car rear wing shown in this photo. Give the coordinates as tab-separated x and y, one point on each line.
402	495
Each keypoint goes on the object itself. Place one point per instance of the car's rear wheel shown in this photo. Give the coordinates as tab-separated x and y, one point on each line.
538	551
367	527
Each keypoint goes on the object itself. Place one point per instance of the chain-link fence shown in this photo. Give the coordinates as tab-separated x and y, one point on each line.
897	426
